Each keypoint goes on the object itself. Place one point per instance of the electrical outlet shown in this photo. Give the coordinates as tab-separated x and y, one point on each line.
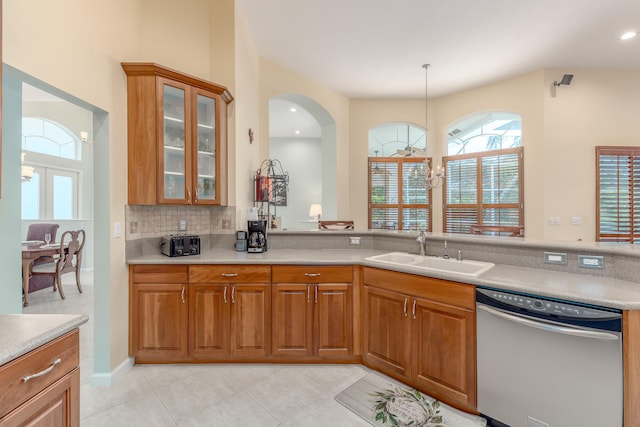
226	224
591	261
354	240
557	258
182	225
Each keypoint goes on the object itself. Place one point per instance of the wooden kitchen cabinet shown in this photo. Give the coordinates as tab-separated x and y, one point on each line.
158	313
177	146
229	311
422	331
51	394
312	311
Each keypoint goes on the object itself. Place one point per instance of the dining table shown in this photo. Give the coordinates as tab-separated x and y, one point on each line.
31	251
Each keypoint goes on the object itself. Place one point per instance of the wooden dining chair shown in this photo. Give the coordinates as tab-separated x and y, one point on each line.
68	259
37	231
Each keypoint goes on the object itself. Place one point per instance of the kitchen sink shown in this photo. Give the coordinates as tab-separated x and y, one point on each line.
431	263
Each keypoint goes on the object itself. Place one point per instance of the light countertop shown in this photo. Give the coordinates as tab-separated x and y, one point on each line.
585	288
21	333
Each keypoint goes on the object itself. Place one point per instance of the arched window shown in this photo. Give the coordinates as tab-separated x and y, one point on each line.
398	198
484	185
52	192
48	137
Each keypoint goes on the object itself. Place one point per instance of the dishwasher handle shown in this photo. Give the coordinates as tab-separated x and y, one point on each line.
548	326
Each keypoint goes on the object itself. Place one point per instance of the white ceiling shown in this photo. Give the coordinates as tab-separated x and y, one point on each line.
376	48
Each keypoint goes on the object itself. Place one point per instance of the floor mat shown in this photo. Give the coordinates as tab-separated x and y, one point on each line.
384	402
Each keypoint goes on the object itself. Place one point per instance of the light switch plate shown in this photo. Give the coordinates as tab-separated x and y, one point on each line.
182	225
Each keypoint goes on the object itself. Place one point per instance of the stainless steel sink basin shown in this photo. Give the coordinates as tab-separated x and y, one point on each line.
430	263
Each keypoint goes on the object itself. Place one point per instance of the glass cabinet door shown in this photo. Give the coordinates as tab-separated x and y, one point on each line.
174	138
206	149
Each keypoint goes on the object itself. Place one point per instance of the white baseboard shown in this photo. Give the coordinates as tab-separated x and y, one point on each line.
107	379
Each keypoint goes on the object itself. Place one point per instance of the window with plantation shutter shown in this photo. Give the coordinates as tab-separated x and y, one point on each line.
398	199
618	194
483	189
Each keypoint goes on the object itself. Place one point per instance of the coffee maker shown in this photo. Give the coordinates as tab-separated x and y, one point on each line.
257	241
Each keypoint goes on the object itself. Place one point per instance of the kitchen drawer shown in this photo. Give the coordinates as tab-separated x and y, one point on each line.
14	390
312	274
160	273
230	274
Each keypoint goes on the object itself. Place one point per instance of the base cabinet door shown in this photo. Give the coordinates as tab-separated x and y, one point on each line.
387	331
312	311
422	330
158	313
58	405
250	320
292	320
160	321
334	320
209	321
442	346
230	312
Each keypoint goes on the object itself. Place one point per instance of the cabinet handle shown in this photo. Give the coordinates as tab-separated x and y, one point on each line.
43	372
233	295
182	294
225	295
404	309
308	294
413	310
315	291
189	195
229	274
312	274
195	195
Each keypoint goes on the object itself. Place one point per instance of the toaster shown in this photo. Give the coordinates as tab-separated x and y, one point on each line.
180	245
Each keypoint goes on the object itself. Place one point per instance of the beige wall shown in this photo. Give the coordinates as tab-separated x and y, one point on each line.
276	80
601	107
78	46
560	128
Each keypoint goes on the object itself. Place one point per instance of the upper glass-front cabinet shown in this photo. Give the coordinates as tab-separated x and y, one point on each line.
182	146
206	156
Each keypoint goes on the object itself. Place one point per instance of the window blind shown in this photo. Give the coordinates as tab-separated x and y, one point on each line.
398	199
618	194
484	189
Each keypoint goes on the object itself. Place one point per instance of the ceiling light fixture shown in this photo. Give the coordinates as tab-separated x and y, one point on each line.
628	35
431	180
297	132
566	80
27	171
293	109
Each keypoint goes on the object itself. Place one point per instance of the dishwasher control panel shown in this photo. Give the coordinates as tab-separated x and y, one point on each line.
540	305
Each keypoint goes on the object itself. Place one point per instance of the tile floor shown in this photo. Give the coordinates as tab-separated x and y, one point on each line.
250	395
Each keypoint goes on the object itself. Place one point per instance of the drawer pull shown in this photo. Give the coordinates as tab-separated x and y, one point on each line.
229	274
312	274
43	372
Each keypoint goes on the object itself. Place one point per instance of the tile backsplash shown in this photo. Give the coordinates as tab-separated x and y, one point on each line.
159	220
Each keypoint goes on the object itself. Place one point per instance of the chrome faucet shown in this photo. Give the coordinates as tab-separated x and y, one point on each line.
422	242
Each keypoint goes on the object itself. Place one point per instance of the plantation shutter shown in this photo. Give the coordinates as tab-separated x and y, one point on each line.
484	189
398	199
618	194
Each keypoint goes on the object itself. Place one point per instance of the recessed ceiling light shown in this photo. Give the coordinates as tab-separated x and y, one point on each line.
297	132
293	109
628	35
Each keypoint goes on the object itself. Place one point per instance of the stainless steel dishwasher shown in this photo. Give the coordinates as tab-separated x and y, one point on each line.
544	362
